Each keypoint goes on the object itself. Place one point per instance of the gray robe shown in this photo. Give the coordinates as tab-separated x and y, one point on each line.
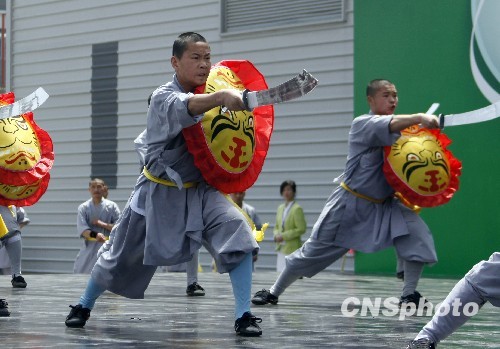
348	221
485	278
480	285
250	211
108	212
165	225
12	217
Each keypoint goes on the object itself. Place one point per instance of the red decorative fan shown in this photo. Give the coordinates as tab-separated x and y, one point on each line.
26	156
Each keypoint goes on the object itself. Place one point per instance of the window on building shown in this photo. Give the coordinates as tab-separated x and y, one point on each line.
256	15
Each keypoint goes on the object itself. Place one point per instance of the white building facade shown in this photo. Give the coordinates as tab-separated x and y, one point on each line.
100	60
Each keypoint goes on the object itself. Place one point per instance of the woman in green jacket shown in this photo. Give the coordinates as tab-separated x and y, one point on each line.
290	224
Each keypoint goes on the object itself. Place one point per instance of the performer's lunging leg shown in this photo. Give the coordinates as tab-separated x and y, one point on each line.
410	295
441	326
479	286
80	313
314	256
449	316
241	280
286	278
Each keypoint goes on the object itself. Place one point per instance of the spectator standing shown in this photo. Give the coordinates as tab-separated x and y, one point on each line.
290	224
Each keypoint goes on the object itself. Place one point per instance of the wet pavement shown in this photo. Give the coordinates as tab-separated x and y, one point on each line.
309	315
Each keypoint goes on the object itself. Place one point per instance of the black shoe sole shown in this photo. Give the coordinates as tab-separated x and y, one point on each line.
249	334
259	302
74	325
195	295
19	286
263	302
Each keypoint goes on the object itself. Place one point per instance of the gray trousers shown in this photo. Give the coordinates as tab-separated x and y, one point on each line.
320	251
317	253
191	268
14	248
480	285
121	269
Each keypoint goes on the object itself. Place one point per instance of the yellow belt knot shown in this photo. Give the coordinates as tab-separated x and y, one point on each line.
164	181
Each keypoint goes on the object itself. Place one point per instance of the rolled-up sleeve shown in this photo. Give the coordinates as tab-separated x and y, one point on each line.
169	110
369	131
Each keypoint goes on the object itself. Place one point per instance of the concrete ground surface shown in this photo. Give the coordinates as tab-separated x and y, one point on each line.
309	315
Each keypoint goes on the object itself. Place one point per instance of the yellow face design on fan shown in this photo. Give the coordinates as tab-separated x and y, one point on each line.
12	192
230	135
19	146
418	159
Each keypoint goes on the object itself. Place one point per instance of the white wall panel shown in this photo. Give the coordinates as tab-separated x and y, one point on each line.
52	45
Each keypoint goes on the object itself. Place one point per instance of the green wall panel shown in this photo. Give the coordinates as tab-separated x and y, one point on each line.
423	47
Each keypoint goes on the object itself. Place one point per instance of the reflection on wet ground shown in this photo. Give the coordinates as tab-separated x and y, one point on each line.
309	315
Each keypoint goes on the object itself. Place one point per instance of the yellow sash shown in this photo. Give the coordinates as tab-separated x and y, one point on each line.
408	204
405	202
361	196
3	228
164	181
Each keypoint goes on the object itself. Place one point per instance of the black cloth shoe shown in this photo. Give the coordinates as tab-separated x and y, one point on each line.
415	298
4	310
246	325
400	275
195	290
422	343
264	297
78	316
18	282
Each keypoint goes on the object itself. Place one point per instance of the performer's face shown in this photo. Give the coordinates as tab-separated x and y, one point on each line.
193	67
385	100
